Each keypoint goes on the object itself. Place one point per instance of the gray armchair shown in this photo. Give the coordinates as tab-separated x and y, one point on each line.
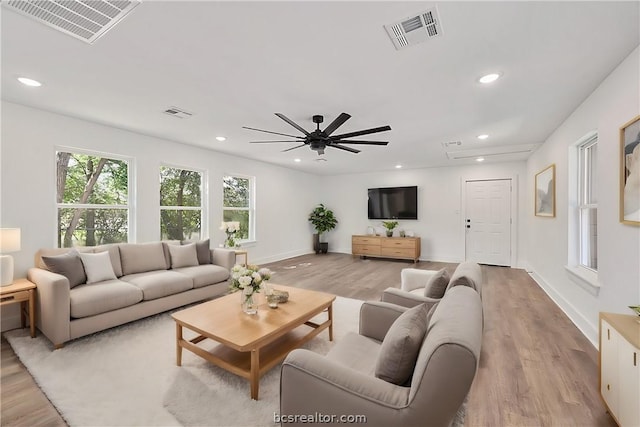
343	383
413	282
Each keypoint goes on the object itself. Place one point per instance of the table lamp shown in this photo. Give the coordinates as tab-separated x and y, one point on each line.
9	242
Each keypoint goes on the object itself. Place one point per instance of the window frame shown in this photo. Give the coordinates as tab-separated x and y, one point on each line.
251	238
584	277
586	182
129	207
204	230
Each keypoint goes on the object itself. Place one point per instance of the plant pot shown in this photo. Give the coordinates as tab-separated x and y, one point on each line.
324	247
316	243
389	233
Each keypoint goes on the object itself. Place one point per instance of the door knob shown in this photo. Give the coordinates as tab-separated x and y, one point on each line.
468	226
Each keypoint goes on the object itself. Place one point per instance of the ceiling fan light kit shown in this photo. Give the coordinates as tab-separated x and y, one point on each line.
318	139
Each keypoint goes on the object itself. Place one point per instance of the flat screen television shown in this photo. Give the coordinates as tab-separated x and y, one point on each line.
393	203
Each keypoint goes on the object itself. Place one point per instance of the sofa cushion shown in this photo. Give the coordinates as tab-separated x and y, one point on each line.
95	298
139	258
357	352
114	254
97	267
69	265
160	283
401	345
204	275
165	249
183	256
437	284
39	262
203	249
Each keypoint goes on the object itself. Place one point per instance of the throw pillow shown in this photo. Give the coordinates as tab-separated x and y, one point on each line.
437	285
98	267
401	345
183	256
202	250
69	265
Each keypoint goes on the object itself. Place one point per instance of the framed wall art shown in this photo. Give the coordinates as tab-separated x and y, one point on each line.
630	172
545	192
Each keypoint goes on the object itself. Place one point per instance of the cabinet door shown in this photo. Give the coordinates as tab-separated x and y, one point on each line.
629	398
609	367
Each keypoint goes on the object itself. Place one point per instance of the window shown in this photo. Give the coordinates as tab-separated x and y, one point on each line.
587	204
92	199
238	204
180	204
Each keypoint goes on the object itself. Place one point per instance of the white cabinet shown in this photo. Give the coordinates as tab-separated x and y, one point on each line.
620	367
629	399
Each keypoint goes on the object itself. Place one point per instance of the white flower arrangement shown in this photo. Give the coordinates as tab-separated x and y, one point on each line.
248	279
230	228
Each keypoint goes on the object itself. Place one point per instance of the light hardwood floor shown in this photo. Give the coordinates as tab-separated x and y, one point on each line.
536	368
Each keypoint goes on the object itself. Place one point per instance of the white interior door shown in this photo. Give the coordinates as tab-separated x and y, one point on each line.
488	222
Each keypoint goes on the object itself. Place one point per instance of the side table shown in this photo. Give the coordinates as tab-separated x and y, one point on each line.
245	253
22	291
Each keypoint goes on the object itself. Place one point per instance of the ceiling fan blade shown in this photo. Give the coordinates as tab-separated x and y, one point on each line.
349	141
362	132
267	142
293	148
352	150
339	121
292	123
268	131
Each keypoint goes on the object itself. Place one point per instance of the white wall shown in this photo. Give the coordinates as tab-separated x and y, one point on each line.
29	140
440	224
613	103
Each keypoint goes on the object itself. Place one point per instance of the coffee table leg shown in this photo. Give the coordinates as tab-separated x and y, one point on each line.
255	373
178	346
330	312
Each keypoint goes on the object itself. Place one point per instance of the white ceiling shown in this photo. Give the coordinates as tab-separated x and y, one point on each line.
235	64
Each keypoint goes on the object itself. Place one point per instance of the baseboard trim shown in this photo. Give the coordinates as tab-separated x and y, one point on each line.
588	330
280	257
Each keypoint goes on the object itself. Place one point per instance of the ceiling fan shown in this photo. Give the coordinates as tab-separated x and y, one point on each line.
318	140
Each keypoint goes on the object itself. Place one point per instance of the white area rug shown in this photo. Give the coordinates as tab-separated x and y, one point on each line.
127	376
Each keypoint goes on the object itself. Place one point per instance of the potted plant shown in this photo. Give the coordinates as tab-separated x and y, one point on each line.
390	225
323	220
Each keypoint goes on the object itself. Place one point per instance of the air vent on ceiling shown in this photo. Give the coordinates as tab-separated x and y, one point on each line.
451	143
178	112
415	29
86	20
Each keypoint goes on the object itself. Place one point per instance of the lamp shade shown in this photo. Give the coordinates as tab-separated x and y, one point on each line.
9	240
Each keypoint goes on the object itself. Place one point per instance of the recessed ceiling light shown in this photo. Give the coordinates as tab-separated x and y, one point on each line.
483	136
221	138
29	82
480	159
489	78
398	166
297	160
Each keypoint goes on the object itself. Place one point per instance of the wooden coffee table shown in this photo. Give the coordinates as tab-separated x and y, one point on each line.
250	345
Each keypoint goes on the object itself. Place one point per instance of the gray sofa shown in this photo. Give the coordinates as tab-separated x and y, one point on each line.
345	382
146	279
